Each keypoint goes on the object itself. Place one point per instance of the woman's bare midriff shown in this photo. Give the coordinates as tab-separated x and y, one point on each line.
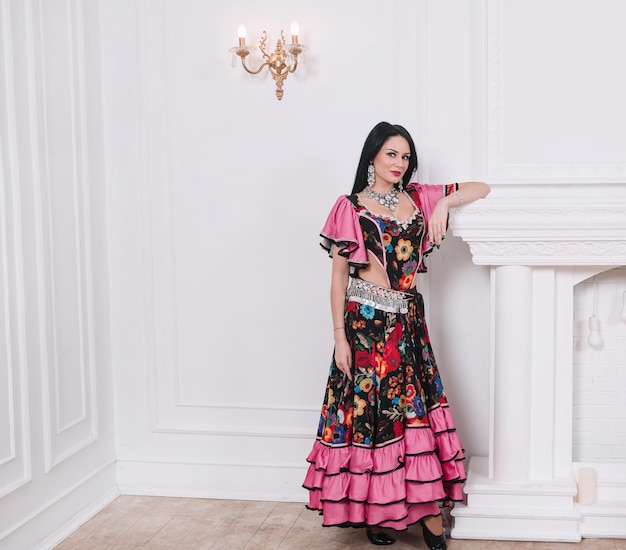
374	272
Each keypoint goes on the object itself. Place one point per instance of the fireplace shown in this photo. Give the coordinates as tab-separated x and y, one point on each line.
540	241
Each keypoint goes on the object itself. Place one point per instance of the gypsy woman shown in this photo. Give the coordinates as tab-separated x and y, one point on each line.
387	453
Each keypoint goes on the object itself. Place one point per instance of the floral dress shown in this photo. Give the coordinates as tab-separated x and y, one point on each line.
386	451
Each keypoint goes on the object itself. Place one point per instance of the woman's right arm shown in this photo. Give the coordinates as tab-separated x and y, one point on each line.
338	285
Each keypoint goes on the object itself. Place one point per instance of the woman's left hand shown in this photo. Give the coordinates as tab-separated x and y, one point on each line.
438	223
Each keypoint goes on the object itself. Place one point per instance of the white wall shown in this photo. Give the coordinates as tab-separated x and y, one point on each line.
218	191
185	131
159	213
57	449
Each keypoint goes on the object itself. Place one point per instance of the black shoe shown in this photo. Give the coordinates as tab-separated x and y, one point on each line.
434	542
380	539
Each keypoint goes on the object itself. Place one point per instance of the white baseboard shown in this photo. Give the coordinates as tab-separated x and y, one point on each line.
501	510
215	480
79	519
53	520
523	524
541	511
604	519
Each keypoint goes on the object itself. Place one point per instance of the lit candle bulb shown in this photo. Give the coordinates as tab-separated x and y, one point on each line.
241	33
295	30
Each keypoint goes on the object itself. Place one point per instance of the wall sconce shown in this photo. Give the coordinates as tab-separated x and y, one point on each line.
283	61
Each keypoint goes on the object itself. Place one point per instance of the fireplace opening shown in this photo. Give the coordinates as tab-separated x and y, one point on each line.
599	401
599	384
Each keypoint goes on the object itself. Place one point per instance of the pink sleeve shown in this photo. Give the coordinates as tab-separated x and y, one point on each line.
427	198
342	228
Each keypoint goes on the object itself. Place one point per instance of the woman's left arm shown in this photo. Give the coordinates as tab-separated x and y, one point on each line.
467	193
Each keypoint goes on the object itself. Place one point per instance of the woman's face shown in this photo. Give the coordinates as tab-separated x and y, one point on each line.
392	160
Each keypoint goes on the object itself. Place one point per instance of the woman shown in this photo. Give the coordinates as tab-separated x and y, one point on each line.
386	452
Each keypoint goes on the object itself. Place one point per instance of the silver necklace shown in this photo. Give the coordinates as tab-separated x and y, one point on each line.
389	200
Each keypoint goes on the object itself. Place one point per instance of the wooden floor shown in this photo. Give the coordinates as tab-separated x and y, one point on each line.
160	523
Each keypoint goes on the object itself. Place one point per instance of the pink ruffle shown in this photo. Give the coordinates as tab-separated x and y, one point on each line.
427	198
393	485
342	228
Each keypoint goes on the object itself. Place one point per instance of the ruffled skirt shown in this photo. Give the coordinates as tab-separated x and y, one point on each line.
386	452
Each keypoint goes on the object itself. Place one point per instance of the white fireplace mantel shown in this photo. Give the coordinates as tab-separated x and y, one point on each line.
541	240
549	224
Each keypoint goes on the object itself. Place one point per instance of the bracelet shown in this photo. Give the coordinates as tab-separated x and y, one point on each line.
338	328
460	195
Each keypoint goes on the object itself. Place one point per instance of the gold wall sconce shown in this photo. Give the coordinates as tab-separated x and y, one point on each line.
281	62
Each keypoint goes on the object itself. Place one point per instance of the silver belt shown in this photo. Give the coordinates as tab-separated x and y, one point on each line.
378	297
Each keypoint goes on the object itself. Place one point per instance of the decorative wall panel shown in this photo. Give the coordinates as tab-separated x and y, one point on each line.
50	127
211	294
14	425
555	111
62	225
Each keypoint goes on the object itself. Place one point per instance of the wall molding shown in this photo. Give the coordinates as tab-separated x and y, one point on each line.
62	437
170	412
105	471
63	531
246	481
16	466
169	409
498	168
10	403
182	428
549	253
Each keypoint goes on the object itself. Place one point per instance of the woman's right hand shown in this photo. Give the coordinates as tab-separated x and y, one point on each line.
343	356
338	285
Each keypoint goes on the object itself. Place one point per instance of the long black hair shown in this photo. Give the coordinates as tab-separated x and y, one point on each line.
374	143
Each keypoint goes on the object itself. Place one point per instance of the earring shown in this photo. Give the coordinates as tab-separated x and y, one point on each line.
400	188
371	177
